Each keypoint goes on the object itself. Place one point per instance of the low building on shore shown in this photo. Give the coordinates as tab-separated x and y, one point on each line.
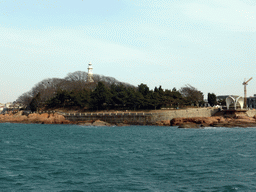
8	105
2	109
251	101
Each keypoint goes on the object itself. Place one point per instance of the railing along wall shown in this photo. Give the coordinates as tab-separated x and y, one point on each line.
135	118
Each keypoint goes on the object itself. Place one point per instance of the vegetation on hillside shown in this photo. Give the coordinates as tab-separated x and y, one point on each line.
105	93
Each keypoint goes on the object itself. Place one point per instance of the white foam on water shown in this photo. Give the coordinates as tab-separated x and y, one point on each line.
244	155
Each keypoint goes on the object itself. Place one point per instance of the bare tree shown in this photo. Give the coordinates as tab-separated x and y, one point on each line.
192	94
77	76
25	98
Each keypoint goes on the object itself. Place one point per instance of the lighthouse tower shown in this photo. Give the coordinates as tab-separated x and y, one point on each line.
90	74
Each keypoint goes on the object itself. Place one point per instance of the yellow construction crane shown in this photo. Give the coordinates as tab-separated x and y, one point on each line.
245	83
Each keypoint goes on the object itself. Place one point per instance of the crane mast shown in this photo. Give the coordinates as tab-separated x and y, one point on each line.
245	83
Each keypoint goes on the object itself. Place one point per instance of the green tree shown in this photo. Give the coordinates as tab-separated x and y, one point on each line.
61	99
135	98
101	96
155	99
212	99
143	89
173	98
119	95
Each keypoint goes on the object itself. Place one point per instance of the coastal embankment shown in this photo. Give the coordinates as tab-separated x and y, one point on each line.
187	118
141	118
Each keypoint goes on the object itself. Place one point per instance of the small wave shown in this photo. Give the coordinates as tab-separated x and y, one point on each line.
251	174
58	172
210	128
244	155
16	160
88	126
70	182
232	187
31	147
10	174
7	179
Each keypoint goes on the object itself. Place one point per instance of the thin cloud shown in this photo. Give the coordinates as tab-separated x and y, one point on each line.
234	15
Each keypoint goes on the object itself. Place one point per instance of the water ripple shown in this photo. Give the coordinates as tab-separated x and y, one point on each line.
134	158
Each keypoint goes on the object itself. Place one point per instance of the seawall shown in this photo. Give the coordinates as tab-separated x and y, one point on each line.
141	118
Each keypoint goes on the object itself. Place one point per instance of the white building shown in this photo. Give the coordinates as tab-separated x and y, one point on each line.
7	105
2	108
234	101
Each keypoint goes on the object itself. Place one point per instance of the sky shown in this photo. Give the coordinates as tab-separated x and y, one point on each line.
208	44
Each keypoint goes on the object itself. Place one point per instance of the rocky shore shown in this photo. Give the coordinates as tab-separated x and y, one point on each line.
194	122
46	118
218	121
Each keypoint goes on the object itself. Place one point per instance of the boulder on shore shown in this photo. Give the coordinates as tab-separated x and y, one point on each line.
189	125
100	123
163	123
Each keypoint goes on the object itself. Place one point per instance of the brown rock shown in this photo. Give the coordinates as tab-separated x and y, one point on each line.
19	113
44	118
122	124
176	121
100	123
189	125
159	123
242	117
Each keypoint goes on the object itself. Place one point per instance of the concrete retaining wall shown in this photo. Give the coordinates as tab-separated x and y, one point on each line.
141	118
130	118
200	112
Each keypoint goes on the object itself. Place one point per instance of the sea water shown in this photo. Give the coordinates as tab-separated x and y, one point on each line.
37	157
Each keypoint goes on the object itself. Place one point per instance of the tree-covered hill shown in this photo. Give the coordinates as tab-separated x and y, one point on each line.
104	93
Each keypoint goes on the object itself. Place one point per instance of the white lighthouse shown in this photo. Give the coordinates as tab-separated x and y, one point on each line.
90	74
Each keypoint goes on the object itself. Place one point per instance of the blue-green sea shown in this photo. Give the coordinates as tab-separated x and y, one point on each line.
35	157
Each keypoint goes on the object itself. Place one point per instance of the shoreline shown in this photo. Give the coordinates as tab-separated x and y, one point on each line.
181	122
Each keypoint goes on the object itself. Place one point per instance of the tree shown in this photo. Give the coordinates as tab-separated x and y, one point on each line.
192	95
35	103
77	76
143	89
135	98
61	99
119	95
25	99
212	99
173	98
101	96
155	99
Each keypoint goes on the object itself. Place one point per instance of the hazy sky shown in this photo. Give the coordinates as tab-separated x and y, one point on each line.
209	44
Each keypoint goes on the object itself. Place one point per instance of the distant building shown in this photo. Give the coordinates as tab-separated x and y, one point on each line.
90	74
8	105
220	97
251	101
2	109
